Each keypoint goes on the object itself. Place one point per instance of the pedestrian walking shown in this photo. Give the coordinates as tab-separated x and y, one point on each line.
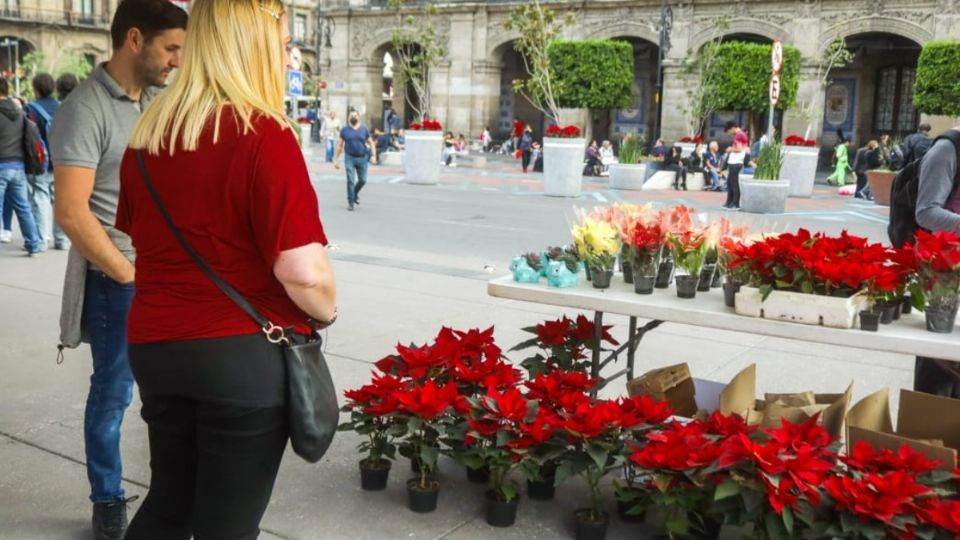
331	133
866	158
356	142
525	146
213	387
737	157
916	145
14	196
87	142
41	112
518	129
841	163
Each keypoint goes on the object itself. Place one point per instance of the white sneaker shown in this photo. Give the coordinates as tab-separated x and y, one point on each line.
6	236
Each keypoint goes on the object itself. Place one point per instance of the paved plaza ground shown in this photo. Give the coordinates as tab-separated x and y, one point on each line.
409	260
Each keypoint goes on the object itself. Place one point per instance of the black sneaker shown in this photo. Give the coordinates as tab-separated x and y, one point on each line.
110	519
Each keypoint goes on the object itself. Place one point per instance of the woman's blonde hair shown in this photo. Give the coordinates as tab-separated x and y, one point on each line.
232	55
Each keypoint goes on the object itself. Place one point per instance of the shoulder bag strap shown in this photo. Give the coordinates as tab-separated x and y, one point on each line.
274	333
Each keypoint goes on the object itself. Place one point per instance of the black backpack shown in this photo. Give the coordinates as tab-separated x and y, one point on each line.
34	151
903	196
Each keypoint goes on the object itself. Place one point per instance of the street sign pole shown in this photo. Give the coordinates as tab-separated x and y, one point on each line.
776	62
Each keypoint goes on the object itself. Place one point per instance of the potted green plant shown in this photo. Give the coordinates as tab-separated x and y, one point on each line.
629	173
689	249
598	242
766	193
371	409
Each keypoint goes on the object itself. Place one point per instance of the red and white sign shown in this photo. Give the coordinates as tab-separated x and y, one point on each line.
776	56
774	90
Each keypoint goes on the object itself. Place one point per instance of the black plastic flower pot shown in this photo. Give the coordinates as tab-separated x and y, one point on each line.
541	490
687	286
627	272
478	476
590	529
623	512
715	282
500	513
907	306
869	321
643	284
415	465
602	278
374	474
941	320
589	273
886	312
706	277
730	291
422	499
664	274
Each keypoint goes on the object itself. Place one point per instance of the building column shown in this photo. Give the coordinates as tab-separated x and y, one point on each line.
675	122
485	97
809	92
365	82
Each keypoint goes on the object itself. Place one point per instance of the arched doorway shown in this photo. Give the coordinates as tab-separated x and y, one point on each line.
13	50
873	95
639	117
401	98
511	104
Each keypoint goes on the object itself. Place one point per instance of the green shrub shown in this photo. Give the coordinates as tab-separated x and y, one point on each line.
593	74
937	90
743	76
631	150
769	162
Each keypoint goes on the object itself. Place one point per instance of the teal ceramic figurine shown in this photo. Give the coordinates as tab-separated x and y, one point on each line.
558	275
523	272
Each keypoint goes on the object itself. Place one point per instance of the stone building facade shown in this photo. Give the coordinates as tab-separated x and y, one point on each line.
471	86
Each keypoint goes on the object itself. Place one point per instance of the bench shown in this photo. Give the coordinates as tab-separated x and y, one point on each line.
473	160
391	158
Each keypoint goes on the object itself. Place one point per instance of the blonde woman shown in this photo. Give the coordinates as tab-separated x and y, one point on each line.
225	164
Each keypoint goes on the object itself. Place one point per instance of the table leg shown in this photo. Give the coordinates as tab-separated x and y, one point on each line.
632	349
597	334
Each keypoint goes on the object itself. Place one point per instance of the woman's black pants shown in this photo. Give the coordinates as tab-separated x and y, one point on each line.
526	159
733	185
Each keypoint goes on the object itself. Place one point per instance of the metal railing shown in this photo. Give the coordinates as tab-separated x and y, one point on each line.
54	16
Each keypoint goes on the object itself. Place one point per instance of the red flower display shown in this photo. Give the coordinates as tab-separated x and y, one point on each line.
877	497
563	132
938	251
797	140
863	457
941	513
695	140
426	125
429	400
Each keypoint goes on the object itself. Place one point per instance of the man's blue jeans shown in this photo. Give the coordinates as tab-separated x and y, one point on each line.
15	182
356	172
41	198
331	143
105	308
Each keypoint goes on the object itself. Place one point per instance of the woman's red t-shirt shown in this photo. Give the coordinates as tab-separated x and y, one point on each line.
239	203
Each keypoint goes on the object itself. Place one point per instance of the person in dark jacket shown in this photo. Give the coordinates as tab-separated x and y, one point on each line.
673	162
916	145
13	177
866	159
526	146
42	111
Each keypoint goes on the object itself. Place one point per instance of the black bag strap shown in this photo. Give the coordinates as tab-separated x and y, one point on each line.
273	332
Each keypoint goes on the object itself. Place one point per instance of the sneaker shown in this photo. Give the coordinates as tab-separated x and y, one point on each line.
350	208
6	236
110	519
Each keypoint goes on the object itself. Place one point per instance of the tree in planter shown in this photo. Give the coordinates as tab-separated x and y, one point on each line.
769	162
538	26
593	74
936	91
744	77
418	49
703	98
836	56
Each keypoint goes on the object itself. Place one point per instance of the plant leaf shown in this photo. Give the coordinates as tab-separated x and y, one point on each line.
727	489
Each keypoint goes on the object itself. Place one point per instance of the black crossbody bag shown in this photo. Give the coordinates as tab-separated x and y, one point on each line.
312	408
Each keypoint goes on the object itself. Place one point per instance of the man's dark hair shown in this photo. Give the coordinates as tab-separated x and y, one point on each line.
4	87
151	17
730	125
924	128
43	85
65	84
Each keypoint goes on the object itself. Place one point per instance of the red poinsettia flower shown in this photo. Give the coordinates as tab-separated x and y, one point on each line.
539	431
416	126
554	333
591	420
432	125
584	330
428	400
940	250
643	410
550	387
876	497
646	237
863	457
941	513
509	405
677	447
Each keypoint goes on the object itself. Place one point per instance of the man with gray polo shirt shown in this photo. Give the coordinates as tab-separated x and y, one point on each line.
87	143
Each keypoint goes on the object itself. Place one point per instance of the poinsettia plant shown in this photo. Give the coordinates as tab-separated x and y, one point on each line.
797	140
427	411
646	242
938	263
597	432
563	344
563	132
371	409
689	249
598	243
426	125
691	139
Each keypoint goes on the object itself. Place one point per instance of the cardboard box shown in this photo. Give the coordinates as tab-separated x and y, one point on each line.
929	424
739	397
672	384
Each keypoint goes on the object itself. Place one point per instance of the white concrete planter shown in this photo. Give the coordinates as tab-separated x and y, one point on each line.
764	196
563	166
801	161
629	177
801	308
421	159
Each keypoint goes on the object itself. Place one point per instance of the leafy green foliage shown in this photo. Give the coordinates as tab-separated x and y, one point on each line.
66	61
703	99
632	148
937	89
593	73
538	26
769	162
418	48
743	76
